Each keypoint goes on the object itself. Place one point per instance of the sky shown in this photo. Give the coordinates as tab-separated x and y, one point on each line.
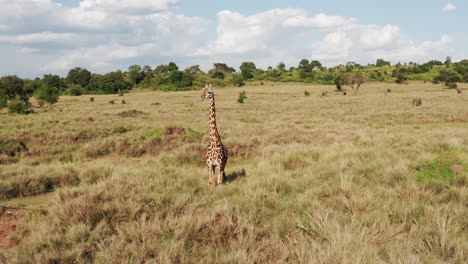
52	36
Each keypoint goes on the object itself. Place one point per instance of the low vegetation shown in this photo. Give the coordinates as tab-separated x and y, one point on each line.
168	77
310	179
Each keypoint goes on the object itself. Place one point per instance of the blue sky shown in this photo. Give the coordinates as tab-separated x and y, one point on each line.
43	36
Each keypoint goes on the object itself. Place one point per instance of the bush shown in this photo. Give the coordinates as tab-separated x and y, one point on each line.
123	102
18	106
3	99
47	94
242	97
74	91
306	93
120	130
237	80
91	99
111	102
451	85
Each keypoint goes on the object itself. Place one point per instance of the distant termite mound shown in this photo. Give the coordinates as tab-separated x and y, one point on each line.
417	102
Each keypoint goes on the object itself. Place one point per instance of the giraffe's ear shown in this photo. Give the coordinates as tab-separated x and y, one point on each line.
203	94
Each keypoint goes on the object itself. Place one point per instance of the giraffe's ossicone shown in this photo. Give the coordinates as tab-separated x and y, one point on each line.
216	154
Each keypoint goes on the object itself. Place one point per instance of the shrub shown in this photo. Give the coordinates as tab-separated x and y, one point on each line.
306	93
130	113
120	130
123	102
75	91
451	85
237	80
47	94
111	102
324	93
3	99
18	106
91	99
242	97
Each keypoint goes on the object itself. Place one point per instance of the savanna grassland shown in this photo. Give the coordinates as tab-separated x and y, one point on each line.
324	178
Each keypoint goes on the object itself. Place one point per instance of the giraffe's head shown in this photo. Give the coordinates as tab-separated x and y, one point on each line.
207	92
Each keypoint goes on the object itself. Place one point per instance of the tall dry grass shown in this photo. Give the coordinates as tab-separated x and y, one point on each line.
311	179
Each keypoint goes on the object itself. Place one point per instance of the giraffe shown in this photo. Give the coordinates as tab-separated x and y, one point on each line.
216	154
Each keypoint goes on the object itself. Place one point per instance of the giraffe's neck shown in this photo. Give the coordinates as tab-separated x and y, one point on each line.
213	128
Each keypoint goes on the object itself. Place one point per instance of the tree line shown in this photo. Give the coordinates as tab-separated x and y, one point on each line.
15	92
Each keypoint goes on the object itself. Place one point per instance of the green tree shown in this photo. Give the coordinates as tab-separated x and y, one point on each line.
247	70
353	80
172	67
449	76
47	94
78	76
381	63
401	75
3	99
281	66
305	69
161	69
223	68
148	71
54	81
194	69
134	74
217	75
448	61
315	64
12	86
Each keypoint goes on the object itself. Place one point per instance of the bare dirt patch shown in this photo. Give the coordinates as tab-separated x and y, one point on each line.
9	220
171	131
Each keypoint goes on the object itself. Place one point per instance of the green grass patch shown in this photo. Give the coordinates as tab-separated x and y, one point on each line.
153	133
193	135
440	169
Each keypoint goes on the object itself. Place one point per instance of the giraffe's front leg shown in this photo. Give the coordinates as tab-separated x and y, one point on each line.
211	173
220	175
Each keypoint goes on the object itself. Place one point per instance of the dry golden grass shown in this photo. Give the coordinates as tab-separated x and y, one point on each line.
324	178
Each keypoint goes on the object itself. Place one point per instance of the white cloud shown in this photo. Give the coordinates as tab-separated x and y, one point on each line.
128	7
379	37
237	34
320	21
449	7
407	50
41	36
334	46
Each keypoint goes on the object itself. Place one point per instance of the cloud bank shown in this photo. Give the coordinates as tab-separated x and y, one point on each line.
42	36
